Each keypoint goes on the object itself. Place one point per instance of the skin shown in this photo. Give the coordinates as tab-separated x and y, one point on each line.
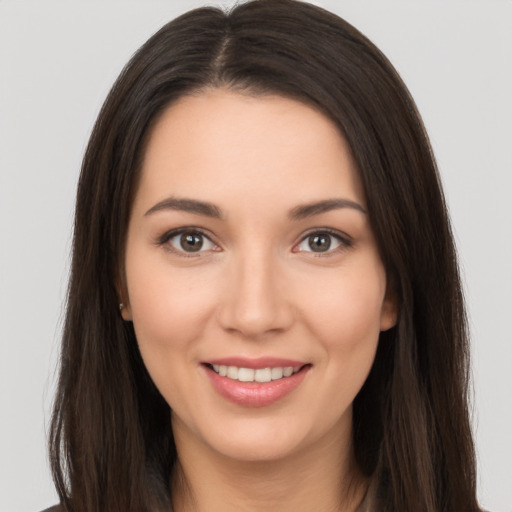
256	288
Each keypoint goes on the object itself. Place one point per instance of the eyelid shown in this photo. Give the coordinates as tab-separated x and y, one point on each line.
164	239
344	239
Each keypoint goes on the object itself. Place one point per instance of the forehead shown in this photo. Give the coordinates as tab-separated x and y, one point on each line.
220	142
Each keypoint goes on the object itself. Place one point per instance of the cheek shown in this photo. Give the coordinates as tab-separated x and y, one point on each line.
169	307
344	317
169	312
346	310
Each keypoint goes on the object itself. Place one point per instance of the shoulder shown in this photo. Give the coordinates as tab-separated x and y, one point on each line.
55	508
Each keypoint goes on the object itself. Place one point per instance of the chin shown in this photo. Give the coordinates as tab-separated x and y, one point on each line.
259	440
254	451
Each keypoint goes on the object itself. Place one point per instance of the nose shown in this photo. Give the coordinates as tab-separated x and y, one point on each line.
255	302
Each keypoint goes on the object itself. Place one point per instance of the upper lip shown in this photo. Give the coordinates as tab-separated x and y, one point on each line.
259	362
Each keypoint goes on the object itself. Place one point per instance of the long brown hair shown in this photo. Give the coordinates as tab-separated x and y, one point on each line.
111	441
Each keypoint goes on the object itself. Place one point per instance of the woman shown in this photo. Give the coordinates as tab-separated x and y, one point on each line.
264	308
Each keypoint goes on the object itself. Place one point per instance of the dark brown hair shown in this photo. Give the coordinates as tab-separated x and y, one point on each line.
111	441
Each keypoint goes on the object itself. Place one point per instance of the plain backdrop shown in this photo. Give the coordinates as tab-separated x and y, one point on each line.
57	62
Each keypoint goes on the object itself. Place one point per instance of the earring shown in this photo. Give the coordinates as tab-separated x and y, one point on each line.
121	306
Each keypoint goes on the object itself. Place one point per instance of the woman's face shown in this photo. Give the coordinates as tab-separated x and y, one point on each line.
249	252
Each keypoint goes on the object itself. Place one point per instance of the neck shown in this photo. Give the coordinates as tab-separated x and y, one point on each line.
323	478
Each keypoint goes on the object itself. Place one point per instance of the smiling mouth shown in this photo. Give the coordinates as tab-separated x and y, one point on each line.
261	375
255	382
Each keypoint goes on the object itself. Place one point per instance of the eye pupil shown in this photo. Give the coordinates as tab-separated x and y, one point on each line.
319	242
191	242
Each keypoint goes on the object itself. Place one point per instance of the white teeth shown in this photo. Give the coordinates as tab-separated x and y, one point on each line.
263	375
246	375
232	372
277	373
252	375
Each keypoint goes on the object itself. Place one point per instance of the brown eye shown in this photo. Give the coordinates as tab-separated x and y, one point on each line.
322	242
319	242
191	242
188	241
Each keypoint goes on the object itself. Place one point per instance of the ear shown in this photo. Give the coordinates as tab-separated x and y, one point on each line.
124	300
389	311
126	312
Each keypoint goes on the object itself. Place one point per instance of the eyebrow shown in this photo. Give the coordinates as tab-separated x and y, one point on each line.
187	205
210	210
308	210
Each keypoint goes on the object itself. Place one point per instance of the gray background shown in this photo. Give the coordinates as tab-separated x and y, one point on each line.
57	62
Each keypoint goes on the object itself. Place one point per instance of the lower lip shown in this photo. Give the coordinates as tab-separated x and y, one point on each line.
255	394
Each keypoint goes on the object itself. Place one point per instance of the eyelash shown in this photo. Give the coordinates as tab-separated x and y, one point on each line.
169	235
344	240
